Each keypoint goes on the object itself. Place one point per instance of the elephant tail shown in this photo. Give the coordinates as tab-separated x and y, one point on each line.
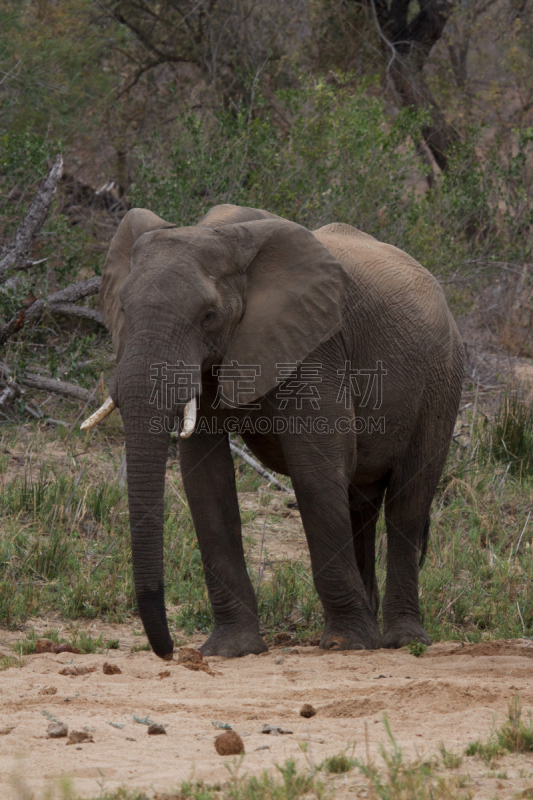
424	545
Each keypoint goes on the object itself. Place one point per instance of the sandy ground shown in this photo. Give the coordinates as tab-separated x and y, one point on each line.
452	694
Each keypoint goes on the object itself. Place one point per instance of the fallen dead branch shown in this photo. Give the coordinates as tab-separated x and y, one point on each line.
15	254
43	384
271	478
61	302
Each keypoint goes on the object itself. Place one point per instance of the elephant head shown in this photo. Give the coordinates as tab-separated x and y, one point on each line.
242	287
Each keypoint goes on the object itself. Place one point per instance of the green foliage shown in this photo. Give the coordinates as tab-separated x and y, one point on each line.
51	54
417	649
339	161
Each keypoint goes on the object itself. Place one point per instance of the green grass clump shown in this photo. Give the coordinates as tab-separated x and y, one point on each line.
450	760
512	432
338	764
136	648
515	736
417	649
420	779
80	639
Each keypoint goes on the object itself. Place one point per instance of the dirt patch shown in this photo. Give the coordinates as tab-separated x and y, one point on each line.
442	696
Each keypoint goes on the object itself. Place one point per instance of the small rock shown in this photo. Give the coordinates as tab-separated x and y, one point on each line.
56	730
7	730
111	669
156	729
165	674
263	747
44	646
307	711
229	744
76	737
130	739
279	660
48	690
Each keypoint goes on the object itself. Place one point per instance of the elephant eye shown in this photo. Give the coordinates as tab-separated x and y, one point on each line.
209	317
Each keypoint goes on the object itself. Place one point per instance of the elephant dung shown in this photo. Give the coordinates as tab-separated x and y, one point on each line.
67	648
77	737
56	730
44	646
73	670
111	669
307	711
48	646
194	660
229	744
156	729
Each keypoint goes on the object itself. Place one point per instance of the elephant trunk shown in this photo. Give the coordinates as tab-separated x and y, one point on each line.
147	433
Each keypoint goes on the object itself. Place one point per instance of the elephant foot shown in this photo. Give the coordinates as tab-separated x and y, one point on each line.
403	631
335	639
233	643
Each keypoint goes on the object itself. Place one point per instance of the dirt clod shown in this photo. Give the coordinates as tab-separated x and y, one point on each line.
165	673
48	690
156	729
111	669
307	711
7	730
229	744
56	730
76	737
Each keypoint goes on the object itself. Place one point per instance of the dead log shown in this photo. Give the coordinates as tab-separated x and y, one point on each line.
44	384
71	310
15	253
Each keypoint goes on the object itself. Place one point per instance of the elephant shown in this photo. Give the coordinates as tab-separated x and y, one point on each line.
334	356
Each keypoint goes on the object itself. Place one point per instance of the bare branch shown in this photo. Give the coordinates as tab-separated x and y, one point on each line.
57	303
71	310
16	252
76	291
271	478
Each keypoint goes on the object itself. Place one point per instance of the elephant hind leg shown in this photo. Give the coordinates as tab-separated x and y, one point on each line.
365	505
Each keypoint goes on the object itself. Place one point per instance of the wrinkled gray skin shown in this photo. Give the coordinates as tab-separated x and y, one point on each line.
246	286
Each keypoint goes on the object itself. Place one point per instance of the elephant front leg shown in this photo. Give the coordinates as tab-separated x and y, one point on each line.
209	480
322	494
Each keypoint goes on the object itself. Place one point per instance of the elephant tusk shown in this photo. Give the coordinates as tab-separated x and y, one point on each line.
189	419
99	415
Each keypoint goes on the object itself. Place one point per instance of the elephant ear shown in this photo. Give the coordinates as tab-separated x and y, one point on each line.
294	301
117	268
